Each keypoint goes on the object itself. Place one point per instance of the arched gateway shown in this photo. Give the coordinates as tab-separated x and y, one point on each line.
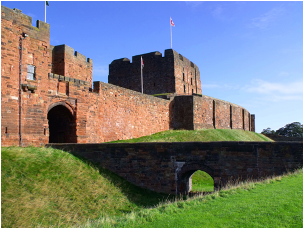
62	125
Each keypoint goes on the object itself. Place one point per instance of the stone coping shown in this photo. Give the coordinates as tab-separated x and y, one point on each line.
69	79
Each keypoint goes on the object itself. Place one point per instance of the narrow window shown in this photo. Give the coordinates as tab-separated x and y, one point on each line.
183	76
191	81
185	88
192	91
44	131
6	130
31	72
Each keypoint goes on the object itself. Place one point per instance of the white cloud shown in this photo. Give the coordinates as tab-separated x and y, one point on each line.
223	86
266	20
274	91
211	86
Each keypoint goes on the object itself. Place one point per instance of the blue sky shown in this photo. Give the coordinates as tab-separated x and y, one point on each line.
248	53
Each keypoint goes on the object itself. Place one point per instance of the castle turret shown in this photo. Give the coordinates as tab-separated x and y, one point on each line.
72	64
171	73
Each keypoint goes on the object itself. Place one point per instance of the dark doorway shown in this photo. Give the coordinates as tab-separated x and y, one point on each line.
62	125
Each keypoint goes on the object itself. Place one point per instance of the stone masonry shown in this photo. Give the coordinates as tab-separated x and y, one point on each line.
172	73
168	167
48	94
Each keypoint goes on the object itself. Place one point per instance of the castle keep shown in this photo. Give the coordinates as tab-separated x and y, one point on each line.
48	94
172	73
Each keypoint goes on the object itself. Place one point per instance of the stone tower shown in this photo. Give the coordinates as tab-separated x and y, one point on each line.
172	73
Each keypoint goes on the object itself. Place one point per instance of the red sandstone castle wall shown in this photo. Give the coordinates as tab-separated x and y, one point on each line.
125	114
237	117
104	113
222	114
158	73
187	76
35	52
72	64
172	73
203	112
209	112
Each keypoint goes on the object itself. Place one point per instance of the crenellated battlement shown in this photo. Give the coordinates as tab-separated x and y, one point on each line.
71	63
171	73
24	22
57	103
67	50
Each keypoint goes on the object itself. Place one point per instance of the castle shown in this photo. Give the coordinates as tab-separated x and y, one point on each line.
48	96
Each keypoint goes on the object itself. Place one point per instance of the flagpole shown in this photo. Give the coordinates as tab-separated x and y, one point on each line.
141	75
45	12
171	32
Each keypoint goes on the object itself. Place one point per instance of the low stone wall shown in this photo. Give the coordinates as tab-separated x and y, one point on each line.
167	167
280	138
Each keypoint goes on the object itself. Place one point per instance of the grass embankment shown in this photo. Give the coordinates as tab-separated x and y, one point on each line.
273	203
51	188
43	187
205	135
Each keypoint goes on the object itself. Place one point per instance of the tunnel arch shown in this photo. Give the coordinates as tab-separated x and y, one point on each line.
62	123
184	181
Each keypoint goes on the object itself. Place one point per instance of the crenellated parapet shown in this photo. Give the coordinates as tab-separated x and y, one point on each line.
171	73
23	23
71	64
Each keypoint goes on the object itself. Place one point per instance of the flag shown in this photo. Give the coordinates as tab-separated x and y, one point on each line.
47	3
142	62
171	22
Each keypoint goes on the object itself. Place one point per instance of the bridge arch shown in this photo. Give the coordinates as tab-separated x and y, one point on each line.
184	176
62	123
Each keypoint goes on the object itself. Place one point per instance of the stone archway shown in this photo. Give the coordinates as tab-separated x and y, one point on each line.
184	181
62	125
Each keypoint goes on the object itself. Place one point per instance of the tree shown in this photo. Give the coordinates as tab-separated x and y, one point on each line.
294	129
268	131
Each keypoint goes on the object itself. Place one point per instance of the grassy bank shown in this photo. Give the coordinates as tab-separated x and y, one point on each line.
273	203
43	187
206	135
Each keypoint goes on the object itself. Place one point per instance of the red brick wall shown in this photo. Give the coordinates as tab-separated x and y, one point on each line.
222	114
68	63
160	74
246	120
125	114
237	120
209	112
104	113
35	52
203	112
187	75
142	165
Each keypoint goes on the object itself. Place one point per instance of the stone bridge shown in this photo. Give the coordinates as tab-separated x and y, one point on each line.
168	167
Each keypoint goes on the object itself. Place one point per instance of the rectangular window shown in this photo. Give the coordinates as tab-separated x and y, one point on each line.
31	72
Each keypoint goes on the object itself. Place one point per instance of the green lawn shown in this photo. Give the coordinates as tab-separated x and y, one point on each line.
202	182
44	187
205	135
276	203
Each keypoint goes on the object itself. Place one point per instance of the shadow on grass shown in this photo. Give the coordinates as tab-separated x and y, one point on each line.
141	197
